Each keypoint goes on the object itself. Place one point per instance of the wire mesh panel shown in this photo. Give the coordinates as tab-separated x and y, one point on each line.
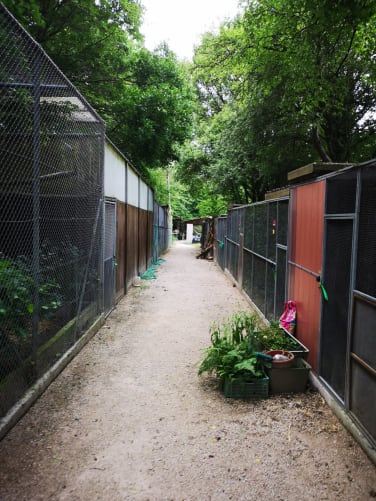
363	363
341	193
249	227
234	227
348	342
247	272
270	291
260	229
362	392
265	254
282	222
232	258
220	232
366	265
51	201
109	257
259	285
281	272
335	311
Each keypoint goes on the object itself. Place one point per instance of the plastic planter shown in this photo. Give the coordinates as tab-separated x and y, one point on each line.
302	351
251	389
291	380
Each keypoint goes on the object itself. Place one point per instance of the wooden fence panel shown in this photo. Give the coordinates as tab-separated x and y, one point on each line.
120	249
132	245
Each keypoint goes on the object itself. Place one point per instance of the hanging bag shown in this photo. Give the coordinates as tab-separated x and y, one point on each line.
288	317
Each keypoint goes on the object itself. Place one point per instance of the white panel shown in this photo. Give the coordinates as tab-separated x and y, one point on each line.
151	200
189	232
132	196
143	196
114	174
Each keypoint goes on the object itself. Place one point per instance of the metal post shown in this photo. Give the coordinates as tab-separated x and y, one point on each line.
36	204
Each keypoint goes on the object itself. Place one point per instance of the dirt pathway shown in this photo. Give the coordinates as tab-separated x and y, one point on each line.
129	419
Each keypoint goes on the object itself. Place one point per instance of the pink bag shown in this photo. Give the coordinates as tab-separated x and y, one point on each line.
288	317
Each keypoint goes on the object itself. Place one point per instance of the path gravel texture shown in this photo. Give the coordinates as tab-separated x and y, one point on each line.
129	419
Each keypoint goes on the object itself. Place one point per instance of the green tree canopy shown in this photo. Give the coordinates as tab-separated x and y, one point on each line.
145	98
284	84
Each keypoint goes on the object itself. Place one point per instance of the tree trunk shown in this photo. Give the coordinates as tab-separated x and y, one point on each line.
319	147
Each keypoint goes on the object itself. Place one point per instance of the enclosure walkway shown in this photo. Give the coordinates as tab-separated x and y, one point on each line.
129	419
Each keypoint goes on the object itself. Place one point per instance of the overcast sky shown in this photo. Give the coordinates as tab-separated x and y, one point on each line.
182	22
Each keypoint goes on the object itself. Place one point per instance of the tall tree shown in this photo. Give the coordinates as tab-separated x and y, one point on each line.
145	98
287	83
152	115
323	55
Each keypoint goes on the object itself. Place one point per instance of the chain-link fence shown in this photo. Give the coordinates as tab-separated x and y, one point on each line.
51	184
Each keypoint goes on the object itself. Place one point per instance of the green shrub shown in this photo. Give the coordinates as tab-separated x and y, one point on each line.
233	350
275	338
16	297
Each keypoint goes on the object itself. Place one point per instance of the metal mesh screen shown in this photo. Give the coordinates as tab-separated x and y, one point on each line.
364	331
260	229
335	313
282	222
349	368
269	290
247	272
258	288
265	254
363	403
366	266
363	364
341	194
232	258
220	232
233	225
248	227
51	202
281	281
109	256
272	230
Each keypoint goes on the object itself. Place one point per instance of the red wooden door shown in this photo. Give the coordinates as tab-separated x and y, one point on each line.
305	261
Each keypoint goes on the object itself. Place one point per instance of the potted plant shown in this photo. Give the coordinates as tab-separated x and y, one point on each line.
273	337
294	378
233	357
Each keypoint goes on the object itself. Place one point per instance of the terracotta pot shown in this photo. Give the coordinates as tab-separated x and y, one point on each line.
282	363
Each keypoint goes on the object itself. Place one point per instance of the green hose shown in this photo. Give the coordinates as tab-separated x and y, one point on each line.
150	272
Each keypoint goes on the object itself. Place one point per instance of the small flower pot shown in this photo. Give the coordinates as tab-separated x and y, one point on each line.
283	363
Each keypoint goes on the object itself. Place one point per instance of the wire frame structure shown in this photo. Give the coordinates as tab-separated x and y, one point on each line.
51	204
252	245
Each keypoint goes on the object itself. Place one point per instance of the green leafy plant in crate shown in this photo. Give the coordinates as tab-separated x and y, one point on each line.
232	355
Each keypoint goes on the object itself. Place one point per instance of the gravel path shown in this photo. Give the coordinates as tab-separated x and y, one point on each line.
129	419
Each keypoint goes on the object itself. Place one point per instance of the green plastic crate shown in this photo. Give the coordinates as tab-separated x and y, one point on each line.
252	389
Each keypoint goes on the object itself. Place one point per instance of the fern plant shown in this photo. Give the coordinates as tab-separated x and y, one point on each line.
233	350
